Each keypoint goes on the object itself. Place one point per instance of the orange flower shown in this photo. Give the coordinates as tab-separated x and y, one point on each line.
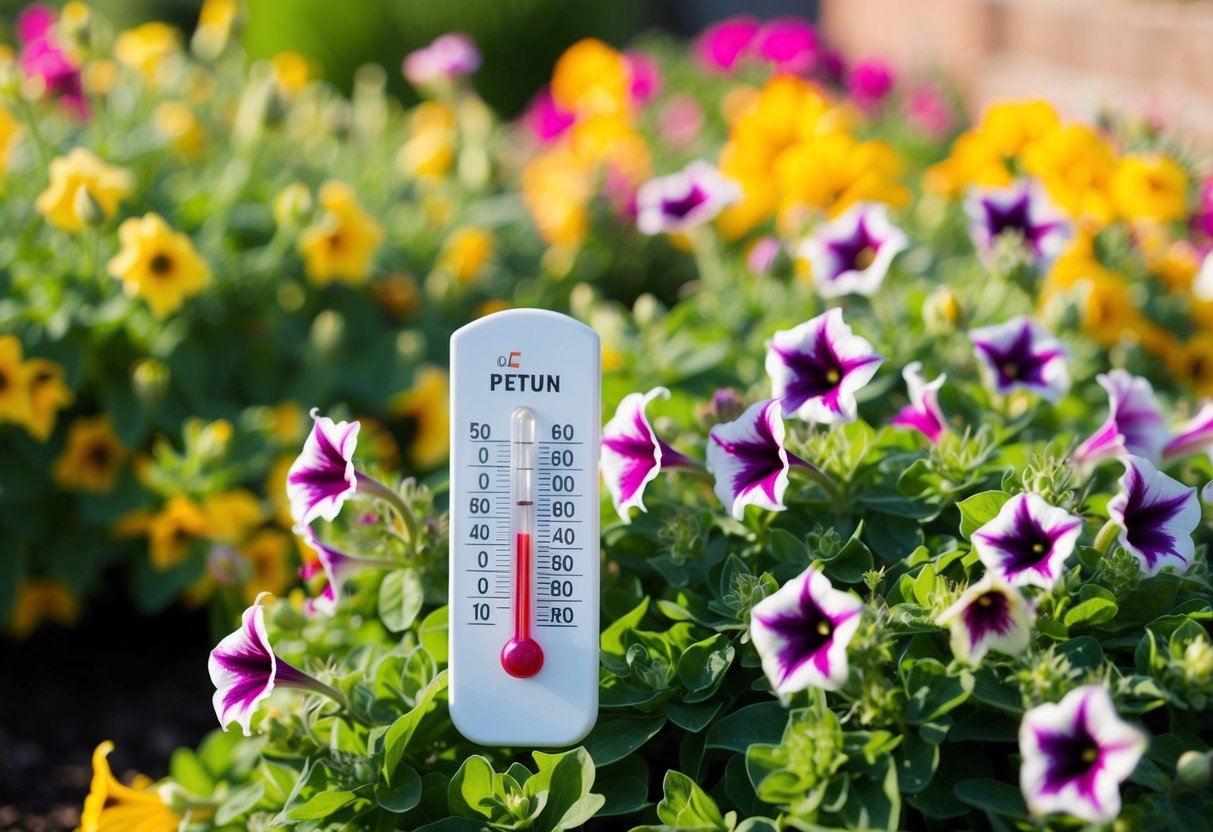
1075	164
91	459
38	601
1150	188
592	78
171	533
341	244
48	394
555	189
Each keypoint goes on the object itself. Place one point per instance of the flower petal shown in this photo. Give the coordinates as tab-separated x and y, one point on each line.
323	475
852	253
1021	354
989	615
631	453
1157	515
749	460
242	668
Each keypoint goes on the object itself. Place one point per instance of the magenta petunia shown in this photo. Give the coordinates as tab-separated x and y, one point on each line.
923	413
1028	542
1157	515
749	460
646	77
989	615
1135	424
789	44
1076	753
1193	436
684	200
801	632
851	254
1021	354
817	368
869	83
632	454
722	46
1021	210
544	118
41	57
323	475
450	56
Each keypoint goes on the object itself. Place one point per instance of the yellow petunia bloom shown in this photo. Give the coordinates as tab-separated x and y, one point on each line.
555	189
232	515
158	264
1075	164
80	185
341	243
430	149
1192	363
427	403
986	154
10	130
91	458
39	601
15	403
176	121
611	141
145	47
834	172
1150	188
1012	127
291	73
269	555
467	252
214	27
592	78
48	394
113	807
173	530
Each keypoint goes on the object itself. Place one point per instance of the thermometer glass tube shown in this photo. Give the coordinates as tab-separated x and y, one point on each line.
522	657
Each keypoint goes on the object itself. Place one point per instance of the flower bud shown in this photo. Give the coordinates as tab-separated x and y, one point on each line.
726	406
150	380
87	208
941	311
293	205
1194	770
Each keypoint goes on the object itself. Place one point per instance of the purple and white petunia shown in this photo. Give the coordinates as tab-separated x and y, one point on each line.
1135	424
449	56
1028	542
817	368
245	670
323	475
1156	515
1076	753
923	412
1021	209
851	254
1022	354
337	565
632	455
323	605
1192	436
749	460
684	200
802	630
989	615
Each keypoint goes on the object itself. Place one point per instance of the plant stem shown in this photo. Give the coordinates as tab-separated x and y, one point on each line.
375	488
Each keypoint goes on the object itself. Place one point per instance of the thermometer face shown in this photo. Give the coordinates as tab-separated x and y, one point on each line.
525	416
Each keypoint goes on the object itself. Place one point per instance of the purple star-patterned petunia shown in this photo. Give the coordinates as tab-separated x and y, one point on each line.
1193	436
802	631
683	200
749	460
1022	354
245	670
632	455
923	412
817	368
1028	541
323	475
1157	515
989	615
851	254
1076	753
1022	210
1134	425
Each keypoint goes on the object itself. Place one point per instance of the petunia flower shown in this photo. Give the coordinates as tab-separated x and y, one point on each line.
869	83
322	605
802	631
923	412
989	615
1022	354
111	805
1028	542
545	119
722	46
1157	516
1020	209
323	475
1134	425
1194	435
1076	753
450	56
632	454
789	44
749	460
851	253
43	58
646	77
337	565
245	671
684	200
817	368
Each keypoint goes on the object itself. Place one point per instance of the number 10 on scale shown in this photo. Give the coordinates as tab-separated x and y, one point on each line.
525	416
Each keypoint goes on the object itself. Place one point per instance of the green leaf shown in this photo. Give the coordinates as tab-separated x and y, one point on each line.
434	634
686	806
404	795
980	509
615	737
453	825
321	805
187	770
917	760
788	548
932	691
237	802
400	599
396	740
992	796
570	802
874	801
761	723
702	666
469	788
852	561
692	717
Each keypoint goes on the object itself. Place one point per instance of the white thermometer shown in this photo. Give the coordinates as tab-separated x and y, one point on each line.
525	417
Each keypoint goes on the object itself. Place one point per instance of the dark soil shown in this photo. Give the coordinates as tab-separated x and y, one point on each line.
141	682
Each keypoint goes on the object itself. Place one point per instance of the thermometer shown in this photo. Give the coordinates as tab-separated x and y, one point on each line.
525	417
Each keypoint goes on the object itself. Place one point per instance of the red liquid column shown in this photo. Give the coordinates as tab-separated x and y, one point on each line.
522	656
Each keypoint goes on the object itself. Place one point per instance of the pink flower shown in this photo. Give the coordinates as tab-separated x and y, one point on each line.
722	46
646	76
450	56
929	111
789	43
544	118
923	412
680	121
1202	219
42	58
869	82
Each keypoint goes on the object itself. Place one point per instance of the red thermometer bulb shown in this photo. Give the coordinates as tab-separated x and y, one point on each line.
522	657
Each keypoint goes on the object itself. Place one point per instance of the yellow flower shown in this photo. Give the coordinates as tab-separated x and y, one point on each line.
467	252
158	264
100	76
1075	164
611	359
380	444
399	295
834	172
14	392
555	189
430	149
341	243
427	404
1150	188
145	47
491	306
1011	127
214	27
91	459
48	394
39	601
591	77
176	120
268	553
171	533
81	184
1192	363
10	129
232	515
287	425
113	807
275	487
974	161
611	141
291	72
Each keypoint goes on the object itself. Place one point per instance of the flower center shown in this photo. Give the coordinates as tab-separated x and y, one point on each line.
1090	754
823	628
832	376
985	601
1010	370
336	241
1038	548
99	456
864	257
161	265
